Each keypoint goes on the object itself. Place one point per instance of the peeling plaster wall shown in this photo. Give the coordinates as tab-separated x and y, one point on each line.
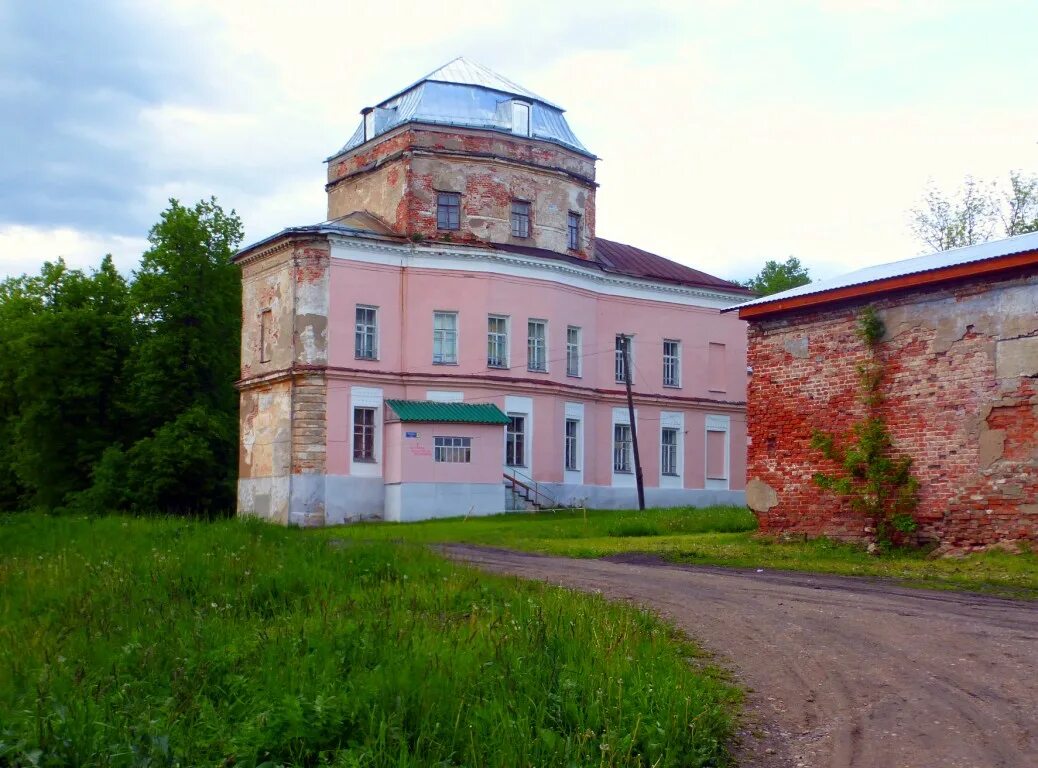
399	177
961	398
283	433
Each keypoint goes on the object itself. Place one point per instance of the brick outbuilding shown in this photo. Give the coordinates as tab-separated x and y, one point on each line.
959	393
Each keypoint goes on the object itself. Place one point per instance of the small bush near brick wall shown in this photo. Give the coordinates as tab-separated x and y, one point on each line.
878	483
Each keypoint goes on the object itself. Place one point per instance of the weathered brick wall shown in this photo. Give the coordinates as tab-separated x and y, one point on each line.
398	177
284	398
961	398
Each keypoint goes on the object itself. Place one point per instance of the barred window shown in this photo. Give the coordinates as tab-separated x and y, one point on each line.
445	337
363	434
366	345
621	448
572	351
537	345
448	210
520	219
573	231
669	451
515	441
497	341
452	450
572	430
671	363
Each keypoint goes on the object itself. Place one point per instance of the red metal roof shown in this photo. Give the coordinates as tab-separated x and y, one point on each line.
628	260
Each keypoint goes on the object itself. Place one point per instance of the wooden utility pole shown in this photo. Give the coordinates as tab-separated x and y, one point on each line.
634	426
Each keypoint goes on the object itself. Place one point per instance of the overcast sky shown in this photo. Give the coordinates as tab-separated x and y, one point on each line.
729	132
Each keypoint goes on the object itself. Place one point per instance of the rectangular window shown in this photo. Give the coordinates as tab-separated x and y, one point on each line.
669	451
572	351
671	363
363	434
715	368
537	345
716	464
621	368
573	231
621	448
366	340
266	342
445	338
497	341
448	210
520	118
452	450
572	430
515	441
520	219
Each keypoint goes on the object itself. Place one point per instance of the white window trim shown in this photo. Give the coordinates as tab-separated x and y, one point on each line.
620	479
580	350
520	406
673	420
508	340
574	411
716	423
444	396
378	344
457	336
544	323
517	108
677	363
366	397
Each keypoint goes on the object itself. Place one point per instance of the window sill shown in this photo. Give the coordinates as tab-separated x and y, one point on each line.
497	367
672	386
719	391
574	375
622	471
364	461
364	357
670	474
444	363
516	466
536	370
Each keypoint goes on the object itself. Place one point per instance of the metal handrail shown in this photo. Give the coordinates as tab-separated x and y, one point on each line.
532	486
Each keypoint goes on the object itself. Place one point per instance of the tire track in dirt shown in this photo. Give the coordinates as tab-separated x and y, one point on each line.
843	673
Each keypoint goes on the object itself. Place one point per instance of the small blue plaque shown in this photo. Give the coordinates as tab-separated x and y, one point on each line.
410	434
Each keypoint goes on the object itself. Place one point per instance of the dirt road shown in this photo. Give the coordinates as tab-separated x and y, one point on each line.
843	672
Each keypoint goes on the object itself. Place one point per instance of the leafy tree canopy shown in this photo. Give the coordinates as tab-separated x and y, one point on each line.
119	394
976	212
776	277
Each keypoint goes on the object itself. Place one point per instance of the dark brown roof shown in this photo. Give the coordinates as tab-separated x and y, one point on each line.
628	260
621	259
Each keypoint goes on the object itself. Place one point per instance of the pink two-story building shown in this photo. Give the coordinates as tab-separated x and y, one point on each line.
450	338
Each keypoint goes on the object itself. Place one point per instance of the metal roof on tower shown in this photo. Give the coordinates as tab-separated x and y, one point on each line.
465	94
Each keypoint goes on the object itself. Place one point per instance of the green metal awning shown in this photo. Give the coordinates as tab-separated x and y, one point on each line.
457	413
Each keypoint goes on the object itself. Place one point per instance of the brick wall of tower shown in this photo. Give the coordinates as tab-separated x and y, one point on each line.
398	177
961	398
283	401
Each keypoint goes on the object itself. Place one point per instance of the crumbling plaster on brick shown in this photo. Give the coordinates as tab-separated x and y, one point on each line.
398	180
960	399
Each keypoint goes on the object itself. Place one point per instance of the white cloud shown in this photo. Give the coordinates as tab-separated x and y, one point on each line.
730	132
24	249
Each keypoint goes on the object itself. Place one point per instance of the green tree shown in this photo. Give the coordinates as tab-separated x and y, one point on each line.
976	212
776	277
67	337
186	300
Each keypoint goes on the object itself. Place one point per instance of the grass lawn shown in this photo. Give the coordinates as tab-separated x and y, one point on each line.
134	642
715	536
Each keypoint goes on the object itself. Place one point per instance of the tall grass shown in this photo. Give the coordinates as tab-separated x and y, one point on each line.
129	642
